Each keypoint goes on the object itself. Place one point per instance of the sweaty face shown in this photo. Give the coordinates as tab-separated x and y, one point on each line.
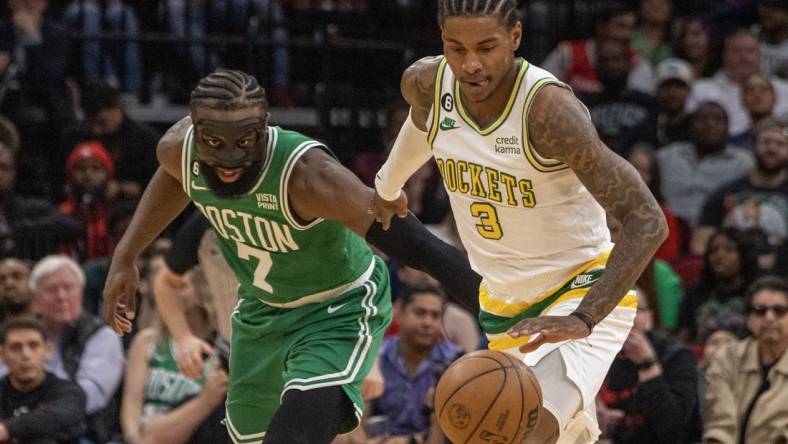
480	52
230	148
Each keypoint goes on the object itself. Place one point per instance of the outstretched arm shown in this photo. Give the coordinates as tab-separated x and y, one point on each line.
320	187
561	129
161	202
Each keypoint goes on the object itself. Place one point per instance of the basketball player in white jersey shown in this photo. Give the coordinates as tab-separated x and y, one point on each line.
529	183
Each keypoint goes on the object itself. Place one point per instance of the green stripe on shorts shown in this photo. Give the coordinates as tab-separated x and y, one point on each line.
494	324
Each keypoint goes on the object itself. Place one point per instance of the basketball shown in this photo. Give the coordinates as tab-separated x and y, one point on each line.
487	397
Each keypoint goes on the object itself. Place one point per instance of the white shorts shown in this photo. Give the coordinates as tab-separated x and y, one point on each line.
572	372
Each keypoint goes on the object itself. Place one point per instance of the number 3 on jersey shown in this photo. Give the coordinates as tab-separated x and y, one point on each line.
264	264
489	227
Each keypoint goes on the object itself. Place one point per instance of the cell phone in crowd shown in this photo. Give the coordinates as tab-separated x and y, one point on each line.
377	426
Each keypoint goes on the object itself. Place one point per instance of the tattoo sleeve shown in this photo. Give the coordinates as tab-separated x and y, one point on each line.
560	128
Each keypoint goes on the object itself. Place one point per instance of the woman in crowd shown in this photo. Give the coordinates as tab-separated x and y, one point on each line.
694	44
160	404
729	267
651	38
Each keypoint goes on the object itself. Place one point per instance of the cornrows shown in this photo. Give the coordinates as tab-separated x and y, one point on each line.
506	10
228	90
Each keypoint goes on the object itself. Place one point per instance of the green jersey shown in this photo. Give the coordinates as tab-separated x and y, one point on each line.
278	259
165	387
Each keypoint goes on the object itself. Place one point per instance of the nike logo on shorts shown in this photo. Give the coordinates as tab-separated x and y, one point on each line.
333	308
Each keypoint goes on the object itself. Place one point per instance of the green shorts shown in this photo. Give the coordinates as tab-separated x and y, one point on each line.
333	342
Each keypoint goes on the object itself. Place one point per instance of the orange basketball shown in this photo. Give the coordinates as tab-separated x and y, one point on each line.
487	397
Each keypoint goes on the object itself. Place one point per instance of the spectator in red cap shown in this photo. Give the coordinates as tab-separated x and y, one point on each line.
90	191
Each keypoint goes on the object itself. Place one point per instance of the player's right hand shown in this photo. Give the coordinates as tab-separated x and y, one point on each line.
120	291
190	352
384	209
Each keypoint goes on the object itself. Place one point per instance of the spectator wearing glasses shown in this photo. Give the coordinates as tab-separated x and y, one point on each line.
748	380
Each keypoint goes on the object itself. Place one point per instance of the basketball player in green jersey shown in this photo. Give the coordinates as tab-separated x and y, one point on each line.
529	183
290	221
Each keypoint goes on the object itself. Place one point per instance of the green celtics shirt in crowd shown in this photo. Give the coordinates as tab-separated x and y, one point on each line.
276	258
165	387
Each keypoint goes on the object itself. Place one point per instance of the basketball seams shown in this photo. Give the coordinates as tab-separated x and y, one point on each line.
489	407
469	357
538	389
522	391
502	367
476	409
448	398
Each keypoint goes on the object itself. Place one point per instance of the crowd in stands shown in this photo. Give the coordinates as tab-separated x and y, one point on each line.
693	94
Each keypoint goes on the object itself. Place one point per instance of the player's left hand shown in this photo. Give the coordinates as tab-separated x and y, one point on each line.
384	210
549	329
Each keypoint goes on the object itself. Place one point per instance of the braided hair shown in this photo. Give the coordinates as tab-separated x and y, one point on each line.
506	10
228	90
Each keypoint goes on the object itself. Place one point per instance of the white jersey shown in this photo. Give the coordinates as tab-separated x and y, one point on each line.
526	221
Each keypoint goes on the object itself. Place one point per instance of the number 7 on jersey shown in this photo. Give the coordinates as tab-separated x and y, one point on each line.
263	267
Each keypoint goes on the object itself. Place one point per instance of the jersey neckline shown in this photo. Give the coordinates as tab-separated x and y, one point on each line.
466	116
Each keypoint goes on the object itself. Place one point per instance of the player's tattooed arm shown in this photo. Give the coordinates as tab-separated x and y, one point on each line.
418	87
560	129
